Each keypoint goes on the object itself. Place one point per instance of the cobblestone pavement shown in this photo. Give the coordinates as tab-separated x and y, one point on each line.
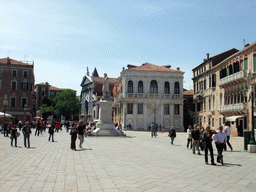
135	163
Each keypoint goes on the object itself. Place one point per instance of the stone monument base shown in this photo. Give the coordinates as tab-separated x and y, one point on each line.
107	128
251	148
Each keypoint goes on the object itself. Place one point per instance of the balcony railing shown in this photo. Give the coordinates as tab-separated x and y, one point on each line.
233	107
152	95
177	96
130	95
167	96
233	77
140	95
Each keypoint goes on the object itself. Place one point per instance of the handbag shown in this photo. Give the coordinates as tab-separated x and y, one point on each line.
169	135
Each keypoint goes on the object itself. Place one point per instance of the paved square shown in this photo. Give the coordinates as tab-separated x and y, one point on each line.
135	163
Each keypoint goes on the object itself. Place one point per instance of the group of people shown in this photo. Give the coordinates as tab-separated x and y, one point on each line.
154	127
81	130
199	138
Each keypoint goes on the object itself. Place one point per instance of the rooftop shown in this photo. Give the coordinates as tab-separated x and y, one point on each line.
152	67
14	62
188	92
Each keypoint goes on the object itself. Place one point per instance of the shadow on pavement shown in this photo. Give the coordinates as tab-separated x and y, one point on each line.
230	164
83	149
233	151
31	147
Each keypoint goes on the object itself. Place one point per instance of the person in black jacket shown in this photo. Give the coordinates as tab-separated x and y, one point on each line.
51	131
207	139
172	133
26	132
38	127
196	140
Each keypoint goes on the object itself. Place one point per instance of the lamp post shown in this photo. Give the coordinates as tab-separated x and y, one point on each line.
252	141
5	103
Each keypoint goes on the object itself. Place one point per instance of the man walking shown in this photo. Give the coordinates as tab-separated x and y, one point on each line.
196	139
20	124
189	136
227	131
81	131
207	138
26	132
38	127
220	140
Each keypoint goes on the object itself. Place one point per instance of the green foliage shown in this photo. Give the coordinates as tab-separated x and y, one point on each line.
66	104
46	101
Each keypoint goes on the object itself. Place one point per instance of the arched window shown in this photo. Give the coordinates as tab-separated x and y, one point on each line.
176	88
130	87
166	88
153	86
140	87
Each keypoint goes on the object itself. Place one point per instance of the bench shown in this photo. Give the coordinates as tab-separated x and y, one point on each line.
96	131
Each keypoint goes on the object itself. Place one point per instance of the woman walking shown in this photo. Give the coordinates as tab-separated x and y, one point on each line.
172	134
14	135
51	131
189	136
73	134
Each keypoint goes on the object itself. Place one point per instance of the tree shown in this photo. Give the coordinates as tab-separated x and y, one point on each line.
47	108
66	104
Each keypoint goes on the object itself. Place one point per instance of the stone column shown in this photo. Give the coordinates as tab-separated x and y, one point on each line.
172	112
181	117
161	113
145	115
135	112
124	115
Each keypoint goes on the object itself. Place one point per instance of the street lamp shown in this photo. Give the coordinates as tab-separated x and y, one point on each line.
251	81
5	103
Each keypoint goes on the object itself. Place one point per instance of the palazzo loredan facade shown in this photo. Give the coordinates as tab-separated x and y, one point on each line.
227	98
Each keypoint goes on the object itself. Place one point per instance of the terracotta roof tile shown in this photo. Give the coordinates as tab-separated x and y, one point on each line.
12	61
151	67
189	92
100	79
53	88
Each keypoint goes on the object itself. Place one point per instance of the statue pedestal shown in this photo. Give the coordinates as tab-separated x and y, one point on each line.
107	127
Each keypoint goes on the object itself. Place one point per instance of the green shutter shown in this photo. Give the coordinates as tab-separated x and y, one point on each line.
245	64
254	63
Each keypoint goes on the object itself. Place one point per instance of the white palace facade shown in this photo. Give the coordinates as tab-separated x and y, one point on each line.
149	93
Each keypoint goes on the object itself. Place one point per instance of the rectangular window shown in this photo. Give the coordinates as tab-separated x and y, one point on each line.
0	84
166	109
212	122
204	84
14	85
219	121
14	73
0	72
23	102
176	109
254	62
24	85
140	108
213	80
129	108
13	102
25	73
246	64
210	82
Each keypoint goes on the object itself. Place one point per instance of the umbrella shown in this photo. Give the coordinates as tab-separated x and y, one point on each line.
6	114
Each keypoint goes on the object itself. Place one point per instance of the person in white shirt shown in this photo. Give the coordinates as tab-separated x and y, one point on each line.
228	132
220	140
189	136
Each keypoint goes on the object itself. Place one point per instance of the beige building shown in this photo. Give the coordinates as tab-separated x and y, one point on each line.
149	93
204	82
228	98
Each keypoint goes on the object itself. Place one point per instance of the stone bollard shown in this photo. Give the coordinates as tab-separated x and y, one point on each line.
251	148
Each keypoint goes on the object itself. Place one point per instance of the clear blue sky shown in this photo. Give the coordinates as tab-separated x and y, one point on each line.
64	37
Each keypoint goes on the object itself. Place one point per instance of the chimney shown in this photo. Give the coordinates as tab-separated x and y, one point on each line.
246	45
8	61
204	60
207	54
123	68
178	68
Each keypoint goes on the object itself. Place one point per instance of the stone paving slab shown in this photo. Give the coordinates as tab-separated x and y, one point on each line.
135	163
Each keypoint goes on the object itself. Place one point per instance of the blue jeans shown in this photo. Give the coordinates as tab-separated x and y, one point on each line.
172	139
26	137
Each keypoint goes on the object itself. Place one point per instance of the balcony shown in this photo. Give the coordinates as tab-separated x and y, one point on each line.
130	95
140	95
176	96
236	108
233	79
152	95
167	96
